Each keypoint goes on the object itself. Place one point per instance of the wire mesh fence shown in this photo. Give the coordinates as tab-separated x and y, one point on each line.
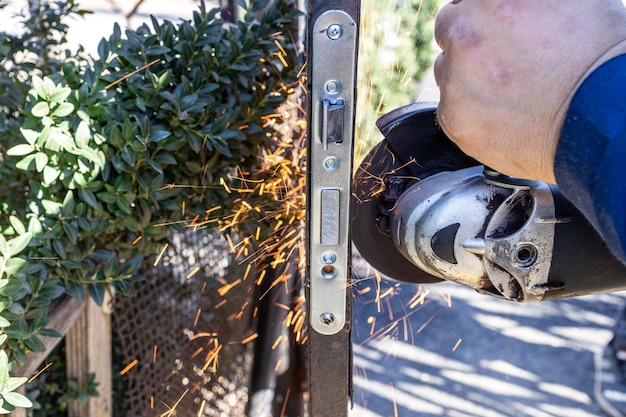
180	346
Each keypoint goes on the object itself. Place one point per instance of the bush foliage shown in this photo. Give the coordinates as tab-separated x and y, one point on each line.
97	152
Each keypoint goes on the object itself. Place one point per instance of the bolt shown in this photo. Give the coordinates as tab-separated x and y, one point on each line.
327	319
334	31
331	163
329	257
333	87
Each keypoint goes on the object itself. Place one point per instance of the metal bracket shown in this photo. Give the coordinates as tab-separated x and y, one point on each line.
333	84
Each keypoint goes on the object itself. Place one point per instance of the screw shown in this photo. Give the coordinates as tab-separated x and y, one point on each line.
334	31
329	257
331	163
327	319
333	87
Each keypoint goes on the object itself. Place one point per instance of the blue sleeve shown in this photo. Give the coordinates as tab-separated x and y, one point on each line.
590	163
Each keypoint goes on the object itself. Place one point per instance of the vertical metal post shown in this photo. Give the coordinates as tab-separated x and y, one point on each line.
332	62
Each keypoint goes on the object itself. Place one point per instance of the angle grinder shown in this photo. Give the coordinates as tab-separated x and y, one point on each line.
422	211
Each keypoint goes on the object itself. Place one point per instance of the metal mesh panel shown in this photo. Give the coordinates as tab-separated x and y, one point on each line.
171	332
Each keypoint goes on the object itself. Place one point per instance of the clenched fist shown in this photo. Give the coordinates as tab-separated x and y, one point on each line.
508	71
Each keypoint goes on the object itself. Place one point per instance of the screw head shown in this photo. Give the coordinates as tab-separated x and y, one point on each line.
333	87
327	319
331	163
329	257
334	31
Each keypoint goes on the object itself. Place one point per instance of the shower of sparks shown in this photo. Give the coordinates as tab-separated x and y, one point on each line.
171	411
264	229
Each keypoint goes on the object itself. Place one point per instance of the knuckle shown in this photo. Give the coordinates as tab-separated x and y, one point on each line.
442	24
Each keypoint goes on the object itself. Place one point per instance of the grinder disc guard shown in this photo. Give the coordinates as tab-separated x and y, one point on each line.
413	148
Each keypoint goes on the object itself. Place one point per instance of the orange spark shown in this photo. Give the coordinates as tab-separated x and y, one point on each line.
131	74
456	346
158	259
40	372
129	367
193	272
249	338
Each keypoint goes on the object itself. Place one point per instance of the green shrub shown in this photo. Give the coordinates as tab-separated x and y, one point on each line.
97	154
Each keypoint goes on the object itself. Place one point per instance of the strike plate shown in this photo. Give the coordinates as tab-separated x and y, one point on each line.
333	61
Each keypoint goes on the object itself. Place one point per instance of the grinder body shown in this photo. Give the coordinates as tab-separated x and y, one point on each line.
423	211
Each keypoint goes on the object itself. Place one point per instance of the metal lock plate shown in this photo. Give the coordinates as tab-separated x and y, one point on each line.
333	57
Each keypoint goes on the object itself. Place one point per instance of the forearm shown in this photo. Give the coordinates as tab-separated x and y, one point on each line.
590	163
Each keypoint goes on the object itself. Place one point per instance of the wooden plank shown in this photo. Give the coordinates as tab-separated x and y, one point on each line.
88	350
63	314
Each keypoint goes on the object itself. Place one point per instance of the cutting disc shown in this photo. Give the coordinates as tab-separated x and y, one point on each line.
414	148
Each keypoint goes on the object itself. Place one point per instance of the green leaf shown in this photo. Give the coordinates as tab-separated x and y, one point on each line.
17	224
18	244
75	290
26	163
88	197
50	174
129	156
50	333
83	134
18	329
97	293
60	94
15	265
19	150
59	248
40	88
63	140
41	159
34	226
34	344
41	109
123	205
13	287
30	135
17	400
155	166
106	197
71	231
52	208
64	109
159	135
4	322
41	319
15	382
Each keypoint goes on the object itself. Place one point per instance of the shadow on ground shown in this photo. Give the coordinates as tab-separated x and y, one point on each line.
445	350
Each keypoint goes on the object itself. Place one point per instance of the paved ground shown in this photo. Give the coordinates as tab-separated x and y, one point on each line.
462	354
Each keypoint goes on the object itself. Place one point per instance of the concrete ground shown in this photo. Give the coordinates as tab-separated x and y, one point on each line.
445	350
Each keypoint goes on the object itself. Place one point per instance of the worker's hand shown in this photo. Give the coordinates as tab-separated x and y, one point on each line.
509	69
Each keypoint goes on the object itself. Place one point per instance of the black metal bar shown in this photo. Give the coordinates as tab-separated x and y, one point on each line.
329	356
